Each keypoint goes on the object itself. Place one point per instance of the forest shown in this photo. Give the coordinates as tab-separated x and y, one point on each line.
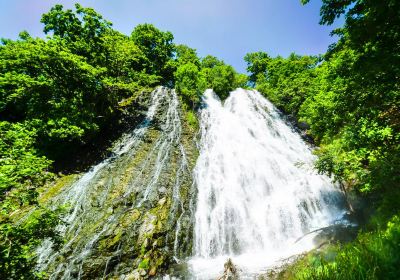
349	101
60	95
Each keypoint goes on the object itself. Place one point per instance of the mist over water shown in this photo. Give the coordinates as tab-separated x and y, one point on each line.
257	192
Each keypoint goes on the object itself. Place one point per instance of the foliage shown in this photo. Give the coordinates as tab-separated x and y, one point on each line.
60	93
19	240
158	48
285	81
85	22
257	64
22	170
350	99
186	81
215	74
373	255
69	86
43	82
193	76
83	29
192	121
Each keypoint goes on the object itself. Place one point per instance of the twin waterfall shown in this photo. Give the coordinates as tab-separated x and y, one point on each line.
242	188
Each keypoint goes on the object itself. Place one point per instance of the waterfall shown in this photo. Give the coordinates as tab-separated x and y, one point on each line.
257	191
247	191
116	208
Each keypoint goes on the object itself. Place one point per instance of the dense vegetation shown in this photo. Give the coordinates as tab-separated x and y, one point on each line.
350	99
373	255
61	93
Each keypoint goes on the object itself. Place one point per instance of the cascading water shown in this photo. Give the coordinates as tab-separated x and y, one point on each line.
129	207
133	213
257	192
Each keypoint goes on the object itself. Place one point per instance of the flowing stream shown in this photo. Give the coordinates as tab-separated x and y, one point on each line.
257	192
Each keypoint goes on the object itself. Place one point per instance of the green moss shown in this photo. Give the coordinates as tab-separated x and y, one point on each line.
135	215
161	211
48	192
192	120
21	213
108	243
116	238
144	264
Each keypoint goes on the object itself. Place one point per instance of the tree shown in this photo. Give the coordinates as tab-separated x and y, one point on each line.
194	76
185	54
256	65
82	29
22	171
157	46
364	99
186	83
220	78
285	81
18	242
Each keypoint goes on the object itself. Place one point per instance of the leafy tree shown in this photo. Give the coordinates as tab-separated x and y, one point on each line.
286	82
220	77
18	241
257	65
22	170
157	47
82	29
44	82
185	54
194	76
124	64
186	80
363	72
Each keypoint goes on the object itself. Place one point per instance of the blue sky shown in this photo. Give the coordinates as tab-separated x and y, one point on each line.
227	29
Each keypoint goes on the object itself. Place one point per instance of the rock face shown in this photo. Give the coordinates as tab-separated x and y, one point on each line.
129	217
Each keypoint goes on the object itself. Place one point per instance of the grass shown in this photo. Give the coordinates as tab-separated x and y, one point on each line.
373	255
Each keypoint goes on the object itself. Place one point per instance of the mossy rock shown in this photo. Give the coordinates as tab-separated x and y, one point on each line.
144	264
49	191
141	235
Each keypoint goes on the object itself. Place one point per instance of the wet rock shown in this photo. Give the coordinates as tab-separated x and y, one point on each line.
135	275
162	190
303	125
142	271
148	225
162	201
278	271
230	271
153	271
110	221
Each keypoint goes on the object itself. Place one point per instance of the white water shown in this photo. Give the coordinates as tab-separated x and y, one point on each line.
90	217
257	192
